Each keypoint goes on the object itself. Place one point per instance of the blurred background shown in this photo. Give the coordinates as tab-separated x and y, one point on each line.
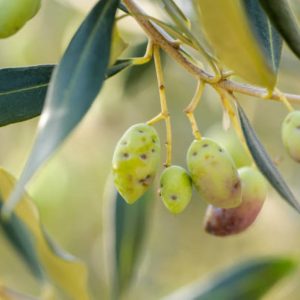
69	189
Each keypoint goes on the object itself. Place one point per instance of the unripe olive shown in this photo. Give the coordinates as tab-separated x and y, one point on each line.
135	161
290	134
214	174
175	189
15	13
231	143
224	222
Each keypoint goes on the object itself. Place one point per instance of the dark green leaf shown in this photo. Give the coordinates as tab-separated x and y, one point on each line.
75	83
119	66
123	8
264	162
129	230
22	92
19	236
247	281
268	37
283	18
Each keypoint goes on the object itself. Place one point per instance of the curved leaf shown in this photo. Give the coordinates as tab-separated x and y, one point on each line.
22	92
247	281
126	227
75	83
264	162
283	18
64	270
226	26
268	37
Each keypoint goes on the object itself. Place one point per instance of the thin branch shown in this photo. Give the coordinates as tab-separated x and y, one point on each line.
174	52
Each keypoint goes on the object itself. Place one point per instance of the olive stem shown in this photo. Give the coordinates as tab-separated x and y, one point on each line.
164	114
190	109
284	100
227	105
147	57
174	52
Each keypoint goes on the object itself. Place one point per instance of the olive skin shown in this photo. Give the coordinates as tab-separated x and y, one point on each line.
290	134
15	13
175	189
225	222
214	174
135	161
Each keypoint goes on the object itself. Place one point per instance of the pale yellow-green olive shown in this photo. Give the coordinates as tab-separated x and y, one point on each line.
224	222
135	161
214	174
290	134
175	189
15	13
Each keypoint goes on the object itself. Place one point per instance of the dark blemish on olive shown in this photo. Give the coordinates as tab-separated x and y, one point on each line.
143	139
143	156
124	143
126	155
152	150
205	145
153	140
173	197
141	131
207	157
237	185
195	153
220	150
146	181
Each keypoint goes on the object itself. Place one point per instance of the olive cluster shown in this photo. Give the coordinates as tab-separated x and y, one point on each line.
235	196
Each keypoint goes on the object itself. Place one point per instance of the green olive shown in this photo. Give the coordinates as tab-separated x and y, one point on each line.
224	222
135	161
15	13
231	143
214	174
175	189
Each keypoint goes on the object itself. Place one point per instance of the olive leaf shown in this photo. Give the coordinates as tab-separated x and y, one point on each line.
24	230
75	83
126	227
229	33
177	15
268	37
23	90
283	18
264	162
248	281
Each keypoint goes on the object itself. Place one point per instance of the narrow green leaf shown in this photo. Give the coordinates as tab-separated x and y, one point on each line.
247	281
268	37
125	231
123	8
229	33
19	236
119	66
22	92
26	233
75	83
283	18
177	15
264	162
